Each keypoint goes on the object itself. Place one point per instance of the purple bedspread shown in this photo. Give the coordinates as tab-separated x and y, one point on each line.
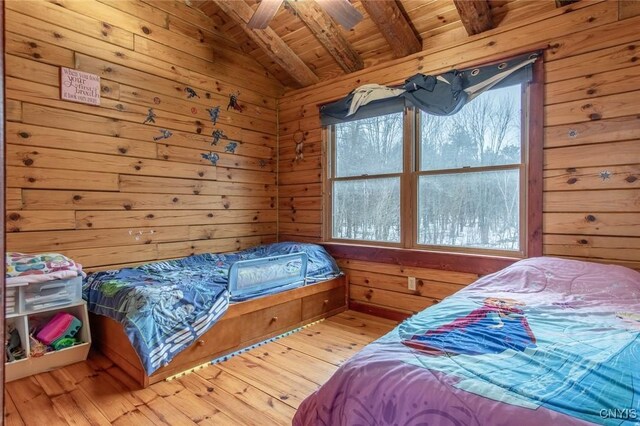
545	341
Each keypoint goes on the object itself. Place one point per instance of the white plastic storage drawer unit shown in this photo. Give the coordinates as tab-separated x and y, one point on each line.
48	295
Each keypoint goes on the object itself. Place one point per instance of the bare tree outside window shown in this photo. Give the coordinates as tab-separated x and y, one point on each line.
467	180
367	206
470	195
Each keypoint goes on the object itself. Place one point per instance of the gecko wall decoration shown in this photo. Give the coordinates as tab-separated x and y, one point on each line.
233	102
214	114
605	175
191	93
217	135
212	157
164	134
231	147
151	117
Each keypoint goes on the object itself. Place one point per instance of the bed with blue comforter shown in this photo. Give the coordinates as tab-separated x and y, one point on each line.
165	306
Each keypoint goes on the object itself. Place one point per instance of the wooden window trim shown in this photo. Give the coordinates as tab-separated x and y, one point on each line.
447	261
535	163
477	263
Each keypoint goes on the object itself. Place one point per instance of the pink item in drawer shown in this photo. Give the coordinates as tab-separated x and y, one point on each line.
61	325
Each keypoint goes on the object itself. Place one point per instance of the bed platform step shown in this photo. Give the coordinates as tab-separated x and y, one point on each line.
244	324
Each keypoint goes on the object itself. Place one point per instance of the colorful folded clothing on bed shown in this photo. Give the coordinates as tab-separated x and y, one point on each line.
165	306
37	268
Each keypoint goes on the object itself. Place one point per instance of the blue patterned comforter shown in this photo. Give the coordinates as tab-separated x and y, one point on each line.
165	306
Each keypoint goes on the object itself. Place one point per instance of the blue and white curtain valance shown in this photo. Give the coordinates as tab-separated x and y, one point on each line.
443	94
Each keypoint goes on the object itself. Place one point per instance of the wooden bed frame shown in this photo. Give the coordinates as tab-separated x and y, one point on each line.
244	324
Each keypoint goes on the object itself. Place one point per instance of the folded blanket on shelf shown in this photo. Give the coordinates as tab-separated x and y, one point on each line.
36	268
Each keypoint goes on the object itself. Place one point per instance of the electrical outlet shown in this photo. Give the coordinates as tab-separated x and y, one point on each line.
411	283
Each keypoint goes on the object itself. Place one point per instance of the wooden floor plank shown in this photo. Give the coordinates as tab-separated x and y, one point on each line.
262	386
269	405
197	410
11	415
89	409
321	347
240	411
67	408
284	385
294	362
55	383
109	399
165	413
344	334
373	328
133	417
141	395
32	402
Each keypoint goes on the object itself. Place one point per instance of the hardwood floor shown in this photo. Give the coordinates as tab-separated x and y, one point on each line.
263	386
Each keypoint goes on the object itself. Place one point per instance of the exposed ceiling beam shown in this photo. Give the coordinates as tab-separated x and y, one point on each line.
270	42
475	15
328	34
394	26
267	9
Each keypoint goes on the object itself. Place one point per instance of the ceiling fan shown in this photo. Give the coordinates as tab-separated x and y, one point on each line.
341	11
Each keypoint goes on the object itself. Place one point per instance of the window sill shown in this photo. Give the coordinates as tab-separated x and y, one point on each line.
459	262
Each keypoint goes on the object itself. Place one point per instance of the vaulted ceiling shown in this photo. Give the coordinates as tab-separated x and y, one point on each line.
302	45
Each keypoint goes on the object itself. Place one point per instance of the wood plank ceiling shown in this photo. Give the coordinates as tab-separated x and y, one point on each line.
302	45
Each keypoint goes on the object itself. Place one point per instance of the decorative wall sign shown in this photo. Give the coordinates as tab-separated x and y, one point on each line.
164	134
151	117
190	93
211	156
79	86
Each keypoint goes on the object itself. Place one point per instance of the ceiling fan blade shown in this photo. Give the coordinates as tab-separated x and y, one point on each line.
264	14
342	11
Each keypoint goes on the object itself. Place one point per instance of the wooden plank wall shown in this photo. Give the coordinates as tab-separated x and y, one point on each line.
91	182
373	284
592	99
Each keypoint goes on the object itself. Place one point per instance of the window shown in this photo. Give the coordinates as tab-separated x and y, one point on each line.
366	178
447	183
469	179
